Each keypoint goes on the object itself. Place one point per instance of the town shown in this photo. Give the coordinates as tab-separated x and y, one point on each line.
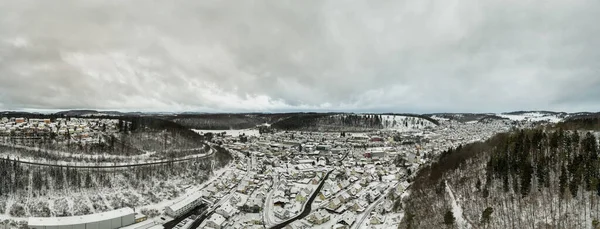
288	179
347	180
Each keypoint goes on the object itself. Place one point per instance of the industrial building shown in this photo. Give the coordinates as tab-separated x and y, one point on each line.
148	224
184	205
105	220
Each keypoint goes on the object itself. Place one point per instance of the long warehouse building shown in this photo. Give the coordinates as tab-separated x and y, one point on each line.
105	220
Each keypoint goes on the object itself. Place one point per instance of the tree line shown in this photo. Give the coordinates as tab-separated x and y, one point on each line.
523	179
19	179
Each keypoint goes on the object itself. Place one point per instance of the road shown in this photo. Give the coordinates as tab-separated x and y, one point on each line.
307	206
267	218
373	205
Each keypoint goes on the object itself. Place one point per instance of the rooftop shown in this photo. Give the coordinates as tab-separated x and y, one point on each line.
183	202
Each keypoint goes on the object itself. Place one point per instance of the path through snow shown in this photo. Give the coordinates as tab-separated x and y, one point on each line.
457	209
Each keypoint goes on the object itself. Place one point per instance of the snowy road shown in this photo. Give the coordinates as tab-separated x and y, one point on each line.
373	205
268	214
457	210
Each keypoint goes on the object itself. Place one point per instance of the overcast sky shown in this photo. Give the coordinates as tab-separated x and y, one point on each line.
228	56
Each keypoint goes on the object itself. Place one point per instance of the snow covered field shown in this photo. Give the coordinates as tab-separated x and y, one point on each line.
235	133
532	117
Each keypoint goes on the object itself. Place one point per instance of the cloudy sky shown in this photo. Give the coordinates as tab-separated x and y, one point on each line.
287	55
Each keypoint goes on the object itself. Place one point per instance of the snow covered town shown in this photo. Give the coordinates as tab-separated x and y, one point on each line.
353	177
286	179
63	129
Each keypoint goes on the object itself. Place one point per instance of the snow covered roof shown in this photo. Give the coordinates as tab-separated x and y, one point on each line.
348	217
142	225
320	214
73	220
217	219
182	203
227	208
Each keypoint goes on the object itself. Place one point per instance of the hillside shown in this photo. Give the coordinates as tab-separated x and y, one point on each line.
223	121
462	117
112	136
523	179
353	122
581	121
535	116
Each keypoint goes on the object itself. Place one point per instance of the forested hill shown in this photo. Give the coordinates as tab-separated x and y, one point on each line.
523	179
224	121
354	122
588	121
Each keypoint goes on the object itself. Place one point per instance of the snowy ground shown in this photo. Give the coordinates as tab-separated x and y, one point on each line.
235	133
533	117
155	193
404	123
457	210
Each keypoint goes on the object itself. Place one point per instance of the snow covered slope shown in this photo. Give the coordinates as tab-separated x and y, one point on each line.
534	116
404	123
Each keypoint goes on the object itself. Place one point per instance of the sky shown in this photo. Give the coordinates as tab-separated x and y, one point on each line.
413	56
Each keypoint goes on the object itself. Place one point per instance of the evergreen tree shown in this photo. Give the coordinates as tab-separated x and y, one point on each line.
562	181
486	215
449	219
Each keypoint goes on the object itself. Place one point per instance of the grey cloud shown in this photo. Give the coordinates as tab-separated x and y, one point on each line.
406	56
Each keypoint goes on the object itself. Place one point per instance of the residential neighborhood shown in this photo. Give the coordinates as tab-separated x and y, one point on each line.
290	179
355	178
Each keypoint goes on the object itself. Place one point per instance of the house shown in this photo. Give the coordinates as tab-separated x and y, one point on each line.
216	221
321	196
334	204
377	219
282	213
211	189
344	197
227	210
347	218
360	205
279	193
301	197
388	178
315	181
344	183
321	216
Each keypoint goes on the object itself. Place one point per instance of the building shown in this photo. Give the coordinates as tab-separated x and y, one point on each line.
106	220
184	205
319	217
347	219
148	224
215	221
377	219
282	213
227	210
140	218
